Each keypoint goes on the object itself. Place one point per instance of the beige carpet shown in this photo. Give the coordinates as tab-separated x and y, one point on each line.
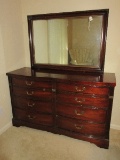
30	144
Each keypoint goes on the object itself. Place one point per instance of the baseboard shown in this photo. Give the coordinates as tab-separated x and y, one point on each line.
3	129
113	126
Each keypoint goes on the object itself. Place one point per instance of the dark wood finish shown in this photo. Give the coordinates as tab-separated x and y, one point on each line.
78	106
83	127
33	117
83	113
68	68
33	105
79	99
81	88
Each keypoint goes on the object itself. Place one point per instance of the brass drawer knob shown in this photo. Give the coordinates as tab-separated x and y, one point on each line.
29	83
79	114
78	127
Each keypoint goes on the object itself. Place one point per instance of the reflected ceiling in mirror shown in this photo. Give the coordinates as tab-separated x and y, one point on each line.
75	39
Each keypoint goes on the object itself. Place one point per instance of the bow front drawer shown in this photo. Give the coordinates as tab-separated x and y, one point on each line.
33	105
31	83
79	99
32	117
82	88
81	126
32	93
97	115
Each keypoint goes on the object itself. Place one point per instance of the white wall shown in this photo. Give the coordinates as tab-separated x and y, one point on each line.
11	53
113	39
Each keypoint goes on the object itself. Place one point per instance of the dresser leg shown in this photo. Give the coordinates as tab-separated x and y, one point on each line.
16	123
104	145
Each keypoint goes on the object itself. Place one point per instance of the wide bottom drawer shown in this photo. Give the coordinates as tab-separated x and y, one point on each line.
43	119
82	127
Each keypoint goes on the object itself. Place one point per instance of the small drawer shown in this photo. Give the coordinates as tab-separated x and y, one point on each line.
81	88
32	83
33	105
32	93
81	126
79	99
82	113
32	117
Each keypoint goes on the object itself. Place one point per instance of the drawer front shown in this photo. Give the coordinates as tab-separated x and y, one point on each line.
82	113
81	126
32	83
32	93
32	105
78	99
35	118
82	88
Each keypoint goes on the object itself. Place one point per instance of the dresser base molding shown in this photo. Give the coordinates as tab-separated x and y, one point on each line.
18	123
98	141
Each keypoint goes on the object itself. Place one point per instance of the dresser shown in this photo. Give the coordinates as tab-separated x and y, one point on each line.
78	106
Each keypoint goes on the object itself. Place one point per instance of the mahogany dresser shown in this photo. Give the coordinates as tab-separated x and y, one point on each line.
77	106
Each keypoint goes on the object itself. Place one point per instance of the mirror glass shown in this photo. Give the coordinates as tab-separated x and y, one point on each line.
74	39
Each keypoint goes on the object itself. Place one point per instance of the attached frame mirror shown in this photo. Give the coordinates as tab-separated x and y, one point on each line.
69	41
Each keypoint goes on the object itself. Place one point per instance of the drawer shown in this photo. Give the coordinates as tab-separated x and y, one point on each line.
44	95
81	126
40	119
82	113
81	100
33	105
28	82
81	88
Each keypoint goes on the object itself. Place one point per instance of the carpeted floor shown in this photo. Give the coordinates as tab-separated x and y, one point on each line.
30	144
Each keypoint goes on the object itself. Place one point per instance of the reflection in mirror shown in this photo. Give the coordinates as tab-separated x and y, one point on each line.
50	39
73	40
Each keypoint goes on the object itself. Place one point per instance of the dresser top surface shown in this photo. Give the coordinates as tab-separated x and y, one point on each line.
27	72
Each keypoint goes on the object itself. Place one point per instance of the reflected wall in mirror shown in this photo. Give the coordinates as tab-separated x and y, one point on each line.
74	40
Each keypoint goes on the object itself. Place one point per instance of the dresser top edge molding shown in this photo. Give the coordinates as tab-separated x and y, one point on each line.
28	72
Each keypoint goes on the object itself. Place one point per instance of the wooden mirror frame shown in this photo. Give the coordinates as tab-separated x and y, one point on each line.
68	68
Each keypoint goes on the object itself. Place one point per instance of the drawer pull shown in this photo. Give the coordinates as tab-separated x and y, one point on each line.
28	83
44	89
78	127
31	105
31	117
79	101
80	90
53	90
30	93
79	114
